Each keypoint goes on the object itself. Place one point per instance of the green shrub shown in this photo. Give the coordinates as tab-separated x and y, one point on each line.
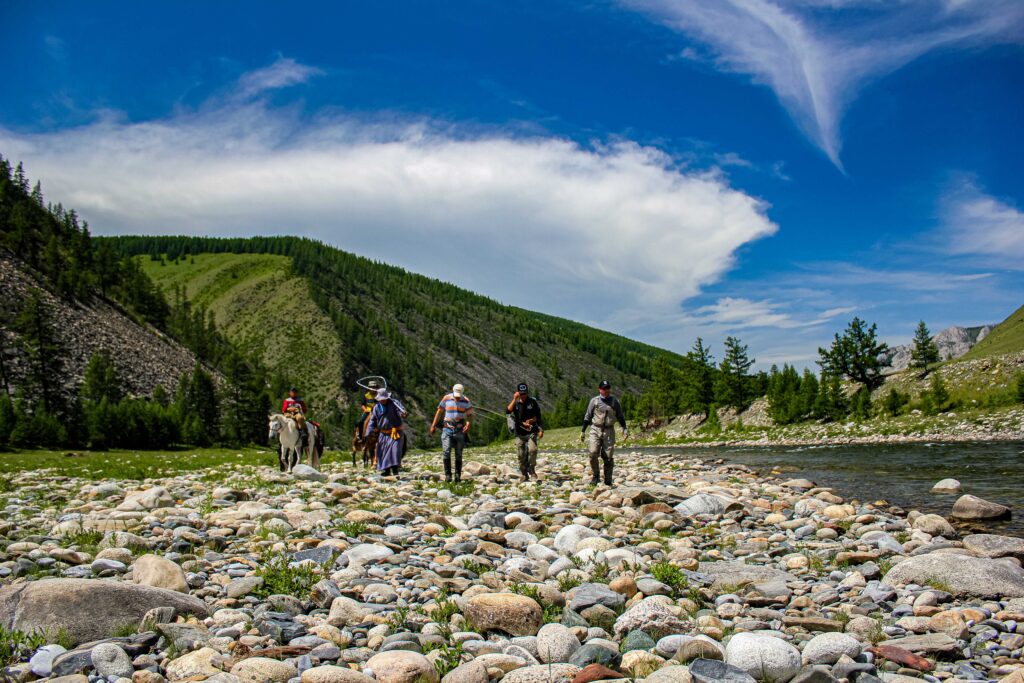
672	576
281	579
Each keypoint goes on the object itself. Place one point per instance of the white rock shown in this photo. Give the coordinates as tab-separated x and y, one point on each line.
764	657
827	648
568	536
556	643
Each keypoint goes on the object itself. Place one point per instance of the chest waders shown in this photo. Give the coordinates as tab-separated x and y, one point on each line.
601	443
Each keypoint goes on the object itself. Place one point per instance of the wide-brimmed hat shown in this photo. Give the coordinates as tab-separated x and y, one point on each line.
383	395
373	384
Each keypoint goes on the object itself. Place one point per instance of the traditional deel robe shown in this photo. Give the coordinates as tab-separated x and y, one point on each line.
386	420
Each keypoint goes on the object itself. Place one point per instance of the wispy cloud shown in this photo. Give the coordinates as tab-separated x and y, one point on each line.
816	55
977	224
283	73
737	313
584	231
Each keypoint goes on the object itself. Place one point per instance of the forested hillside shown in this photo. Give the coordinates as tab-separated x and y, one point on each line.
92	354
420	333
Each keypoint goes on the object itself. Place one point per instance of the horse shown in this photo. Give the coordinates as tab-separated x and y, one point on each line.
290	451
368	446
286	431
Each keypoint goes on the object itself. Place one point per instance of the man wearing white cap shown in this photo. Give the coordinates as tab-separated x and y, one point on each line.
458	414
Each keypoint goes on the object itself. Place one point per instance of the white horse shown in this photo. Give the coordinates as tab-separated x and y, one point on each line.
286	430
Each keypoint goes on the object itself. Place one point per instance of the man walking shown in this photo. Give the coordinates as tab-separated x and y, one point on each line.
603	411
529	426
458	415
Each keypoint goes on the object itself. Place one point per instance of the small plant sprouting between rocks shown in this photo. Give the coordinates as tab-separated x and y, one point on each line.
567	581
474	566
600	572
16	646
552	612
449	657
352	529
280	578
399	619
670	575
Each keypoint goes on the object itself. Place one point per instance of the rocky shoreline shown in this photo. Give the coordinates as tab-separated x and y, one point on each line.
685	570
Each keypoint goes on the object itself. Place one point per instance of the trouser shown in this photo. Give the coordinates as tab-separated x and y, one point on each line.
452	439
526	446
601	444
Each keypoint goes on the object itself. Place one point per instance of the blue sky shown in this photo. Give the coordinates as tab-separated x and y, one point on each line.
661	169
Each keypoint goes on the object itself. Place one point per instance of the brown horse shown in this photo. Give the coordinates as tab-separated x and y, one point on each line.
368	446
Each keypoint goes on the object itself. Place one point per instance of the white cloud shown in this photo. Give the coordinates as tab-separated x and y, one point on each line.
978	224
283	73
586	232
817	54
737	313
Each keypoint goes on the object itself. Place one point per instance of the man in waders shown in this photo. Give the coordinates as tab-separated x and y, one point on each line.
603	411
458	414
529	427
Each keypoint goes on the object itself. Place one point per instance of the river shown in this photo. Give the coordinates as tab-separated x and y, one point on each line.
902	474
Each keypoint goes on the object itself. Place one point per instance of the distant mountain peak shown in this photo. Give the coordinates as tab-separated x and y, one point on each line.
953	342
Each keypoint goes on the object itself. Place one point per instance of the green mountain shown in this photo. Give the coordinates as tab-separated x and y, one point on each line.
1006	337
322	318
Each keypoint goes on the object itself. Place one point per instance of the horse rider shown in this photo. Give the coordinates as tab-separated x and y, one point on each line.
603	411
386	420
528	427
369	401
295	408
458	415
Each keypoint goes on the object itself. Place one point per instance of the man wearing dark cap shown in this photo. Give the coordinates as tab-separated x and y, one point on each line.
529	426
603	411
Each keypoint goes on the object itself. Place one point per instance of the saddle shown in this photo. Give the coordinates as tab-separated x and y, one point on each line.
300	419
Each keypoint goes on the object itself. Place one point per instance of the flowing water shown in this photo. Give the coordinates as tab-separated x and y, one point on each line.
901	474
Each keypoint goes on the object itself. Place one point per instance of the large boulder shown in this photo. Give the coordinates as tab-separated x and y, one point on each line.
402	666
652	616
962	575
510	613
86	609
827	648
971	507
569	536
767	580
707	504
307	473
556	643
159	572
993	545
764	657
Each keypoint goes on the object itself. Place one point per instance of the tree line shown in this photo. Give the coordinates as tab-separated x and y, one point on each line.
224	399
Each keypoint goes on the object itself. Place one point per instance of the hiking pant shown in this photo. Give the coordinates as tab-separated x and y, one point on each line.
526	447
452	439
601	443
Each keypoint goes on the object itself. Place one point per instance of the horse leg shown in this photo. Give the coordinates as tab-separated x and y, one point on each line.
280	457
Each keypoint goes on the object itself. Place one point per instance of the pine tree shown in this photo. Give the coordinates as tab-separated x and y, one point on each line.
732	389
856	354
664	391
7	418
894	402
925	351
101	379
42	351
697	382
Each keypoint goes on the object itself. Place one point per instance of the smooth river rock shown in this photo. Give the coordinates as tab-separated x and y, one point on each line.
514	614
973	508
87	609
961	575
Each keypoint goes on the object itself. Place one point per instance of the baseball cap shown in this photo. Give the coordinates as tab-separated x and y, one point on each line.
605	384
457	390
522	388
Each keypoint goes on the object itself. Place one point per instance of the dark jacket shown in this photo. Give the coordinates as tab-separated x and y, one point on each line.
527	410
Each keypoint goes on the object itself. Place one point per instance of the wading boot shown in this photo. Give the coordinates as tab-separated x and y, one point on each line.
608	473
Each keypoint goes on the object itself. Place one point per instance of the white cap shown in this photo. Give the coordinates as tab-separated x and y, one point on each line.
457	390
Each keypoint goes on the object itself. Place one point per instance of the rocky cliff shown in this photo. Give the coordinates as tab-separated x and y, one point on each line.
953	342
144	357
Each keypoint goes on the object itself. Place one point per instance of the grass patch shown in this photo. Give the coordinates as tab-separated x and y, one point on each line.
128	464
566	581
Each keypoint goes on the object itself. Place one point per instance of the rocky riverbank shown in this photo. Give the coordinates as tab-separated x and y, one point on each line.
683	571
